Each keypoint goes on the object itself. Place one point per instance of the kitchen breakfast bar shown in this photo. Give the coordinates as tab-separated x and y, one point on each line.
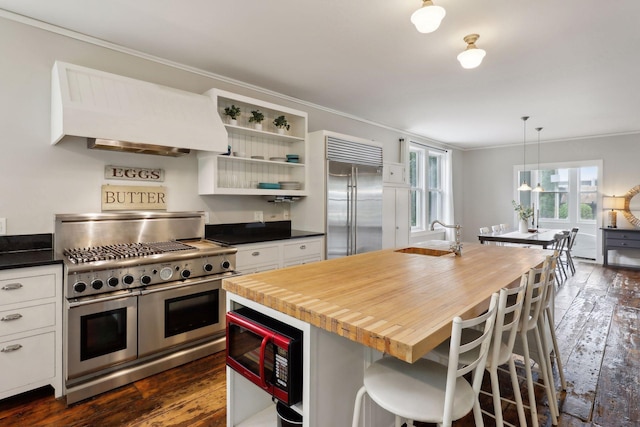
352	310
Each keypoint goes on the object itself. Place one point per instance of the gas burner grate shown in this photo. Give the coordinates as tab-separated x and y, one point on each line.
123	250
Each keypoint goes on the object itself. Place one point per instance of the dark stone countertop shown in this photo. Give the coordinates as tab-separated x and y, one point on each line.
28	250
254	232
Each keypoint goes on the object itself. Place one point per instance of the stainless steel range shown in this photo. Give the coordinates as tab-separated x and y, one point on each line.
143	294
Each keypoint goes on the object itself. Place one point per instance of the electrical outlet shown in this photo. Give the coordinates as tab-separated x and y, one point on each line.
258	216
3	226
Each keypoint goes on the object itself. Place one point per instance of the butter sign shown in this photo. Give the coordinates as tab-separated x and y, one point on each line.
128	198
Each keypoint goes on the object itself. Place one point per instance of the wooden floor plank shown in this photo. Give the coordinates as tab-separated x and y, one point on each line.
617	402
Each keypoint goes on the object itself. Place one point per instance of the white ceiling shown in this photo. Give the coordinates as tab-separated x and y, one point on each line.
570	64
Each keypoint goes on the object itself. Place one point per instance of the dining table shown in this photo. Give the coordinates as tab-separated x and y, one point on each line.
539	237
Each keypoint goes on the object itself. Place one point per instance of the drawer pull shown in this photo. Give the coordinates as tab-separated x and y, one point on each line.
256	253
10	348
303	247
10	317
12	286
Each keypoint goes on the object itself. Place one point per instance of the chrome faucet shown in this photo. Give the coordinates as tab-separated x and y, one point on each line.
457	246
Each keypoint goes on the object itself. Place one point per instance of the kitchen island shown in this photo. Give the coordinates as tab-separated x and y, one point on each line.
353	309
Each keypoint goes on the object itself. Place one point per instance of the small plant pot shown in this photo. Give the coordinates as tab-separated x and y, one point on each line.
281	131
233	122
258	126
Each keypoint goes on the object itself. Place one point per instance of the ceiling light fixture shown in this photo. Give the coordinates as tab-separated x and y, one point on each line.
427	19
538	188
471	57
524	186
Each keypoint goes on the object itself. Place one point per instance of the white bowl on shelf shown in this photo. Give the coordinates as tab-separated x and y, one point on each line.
239	154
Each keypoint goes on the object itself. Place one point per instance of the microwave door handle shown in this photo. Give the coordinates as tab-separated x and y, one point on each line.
263	349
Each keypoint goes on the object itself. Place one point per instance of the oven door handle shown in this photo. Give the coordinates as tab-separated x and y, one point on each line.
263	350
181	284
95	300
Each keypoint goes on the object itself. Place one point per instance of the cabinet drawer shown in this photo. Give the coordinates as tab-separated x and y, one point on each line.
27	288
307	248
26	319
303	261
26	360
259	268
247	257
622	243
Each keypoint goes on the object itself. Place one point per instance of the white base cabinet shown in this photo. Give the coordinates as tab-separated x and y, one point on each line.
30	329
256	257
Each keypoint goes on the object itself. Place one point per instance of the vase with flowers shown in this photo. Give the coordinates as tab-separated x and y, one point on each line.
524	213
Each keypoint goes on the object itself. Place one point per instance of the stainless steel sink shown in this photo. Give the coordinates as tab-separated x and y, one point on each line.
424	251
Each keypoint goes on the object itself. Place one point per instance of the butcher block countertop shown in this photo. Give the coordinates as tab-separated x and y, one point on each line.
398	303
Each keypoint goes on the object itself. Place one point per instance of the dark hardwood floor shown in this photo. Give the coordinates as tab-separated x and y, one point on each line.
597	321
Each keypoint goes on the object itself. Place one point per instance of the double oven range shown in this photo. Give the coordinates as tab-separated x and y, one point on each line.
143	294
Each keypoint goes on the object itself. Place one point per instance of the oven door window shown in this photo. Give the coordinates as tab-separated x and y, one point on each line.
190	312
244	347
103	333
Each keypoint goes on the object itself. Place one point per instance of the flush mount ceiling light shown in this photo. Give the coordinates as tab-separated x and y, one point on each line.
538	188
427	19
524	186
471	57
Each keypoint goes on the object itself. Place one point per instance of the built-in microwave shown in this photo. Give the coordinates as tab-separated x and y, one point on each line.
267	352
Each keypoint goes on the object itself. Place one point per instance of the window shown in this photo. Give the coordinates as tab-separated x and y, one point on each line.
570	193
426	180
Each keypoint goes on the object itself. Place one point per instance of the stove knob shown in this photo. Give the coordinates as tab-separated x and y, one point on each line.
185	274
127	279
97	284
79	287
113	282
208	267
145	279
225	264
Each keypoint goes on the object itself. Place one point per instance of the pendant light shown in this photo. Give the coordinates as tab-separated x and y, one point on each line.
538	188
524	186
427	19
471	57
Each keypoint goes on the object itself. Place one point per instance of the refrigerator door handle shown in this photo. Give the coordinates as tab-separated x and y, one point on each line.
349	214
354	241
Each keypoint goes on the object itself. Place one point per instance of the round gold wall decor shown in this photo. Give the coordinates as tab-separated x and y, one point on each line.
628	214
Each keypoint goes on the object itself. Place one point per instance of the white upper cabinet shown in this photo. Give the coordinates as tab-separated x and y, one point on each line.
94	104
263	160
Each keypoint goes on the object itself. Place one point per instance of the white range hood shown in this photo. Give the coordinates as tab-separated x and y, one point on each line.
119	113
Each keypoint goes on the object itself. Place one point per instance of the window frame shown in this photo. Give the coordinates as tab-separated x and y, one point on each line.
424	191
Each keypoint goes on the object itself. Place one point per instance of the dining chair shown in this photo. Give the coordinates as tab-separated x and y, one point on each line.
485	230
504	227
427	391
537	282
497	229
510	302
566	253
559	246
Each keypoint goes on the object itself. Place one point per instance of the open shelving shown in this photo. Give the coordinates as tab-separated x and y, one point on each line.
241	174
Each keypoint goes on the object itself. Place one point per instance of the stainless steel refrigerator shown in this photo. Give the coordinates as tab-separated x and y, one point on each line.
354	198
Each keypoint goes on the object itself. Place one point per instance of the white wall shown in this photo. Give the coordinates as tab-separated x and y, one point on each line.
39	180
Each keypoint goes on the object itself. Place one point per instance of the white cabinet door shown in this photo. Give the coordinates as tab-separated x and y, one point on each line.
395	217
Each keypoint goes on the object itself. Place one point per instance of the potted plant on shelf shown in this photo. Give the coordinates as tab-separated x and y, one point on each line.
232	112
257	117
524	213
281	124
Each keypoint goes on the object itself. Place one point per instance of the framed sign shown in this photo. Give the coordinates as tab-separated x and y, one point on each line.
133	198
